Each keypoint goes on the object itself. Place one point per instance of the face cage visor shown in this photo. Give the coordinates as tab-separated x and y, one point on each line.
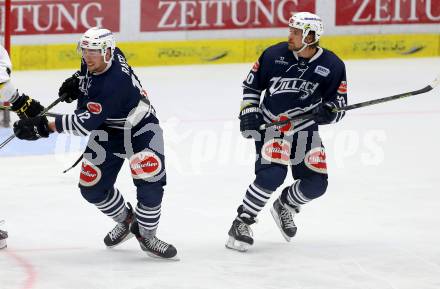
93	49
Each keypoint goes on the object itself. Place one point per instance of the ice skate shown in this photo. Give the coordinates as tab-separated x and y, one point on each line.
121	232
284	219
240	236
3	236
154	247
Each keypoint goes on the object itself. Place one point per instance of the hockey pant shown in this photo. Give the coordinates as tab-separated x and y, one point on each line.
304	153
103	159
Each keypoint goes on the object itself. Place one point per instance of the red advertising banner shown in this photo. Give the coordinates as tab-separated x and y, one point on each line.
370	12
63	16
175	15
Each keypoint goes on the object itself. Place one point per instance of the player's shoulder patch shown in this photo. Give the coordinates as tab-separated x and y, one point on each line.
321	70
256	66
342	89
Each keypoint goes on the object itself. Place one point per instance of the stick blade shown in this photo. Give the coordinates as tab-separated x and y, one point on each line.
435	82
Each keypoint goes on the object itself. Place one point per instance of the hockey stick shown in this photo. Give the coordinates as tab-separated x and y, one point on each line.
309	115
51	114
49	107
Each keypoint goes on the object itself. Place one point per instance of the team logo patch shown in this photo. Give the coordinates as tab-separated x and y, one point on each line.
342	87
256	66
144	165
286	127
90	174
277	151
315	160
94	107
321	70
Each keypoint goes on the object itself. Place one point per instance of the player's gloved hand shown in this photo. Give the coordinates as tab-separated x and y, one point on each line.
250	120
26	107
70	87
32	128
323	114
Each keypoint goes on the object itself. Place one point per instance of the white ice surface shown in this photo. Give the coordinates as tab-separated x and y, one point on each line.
377	227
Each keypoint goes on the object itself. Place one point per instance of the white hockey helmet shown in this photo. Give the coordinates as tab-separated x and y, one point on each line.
307	22
99	39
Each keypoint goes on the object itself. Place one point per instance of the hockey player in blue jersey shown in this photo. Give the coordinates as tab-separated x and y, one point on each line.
114	109
296	77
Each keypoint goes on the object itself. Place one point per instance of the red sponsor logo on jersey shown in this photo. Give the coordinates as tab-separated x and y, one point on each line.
315	160
256	66
285	127
277	151
144	165
94	107
342	89
90	174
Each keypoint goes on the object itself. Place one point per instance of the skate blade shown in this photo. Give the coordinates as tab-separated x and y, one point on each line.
237	245
128	237
278	222
175	258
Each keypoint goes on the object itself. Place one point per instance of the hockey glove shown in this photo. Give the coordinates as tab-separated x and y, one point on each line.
70	87
26	107
250	120
323	114
32	128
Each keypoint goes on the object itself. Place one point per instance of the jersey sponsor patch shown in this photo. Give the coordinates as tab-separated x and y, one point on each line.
277	151
321	70
286	127
145	165
281	61
342	89
90	174
256	66
315	160
94	107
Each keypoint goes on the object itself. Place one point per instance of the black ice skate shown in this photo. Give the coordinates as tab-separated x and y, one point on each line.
240	235
284	218
154	246
121	232
3	237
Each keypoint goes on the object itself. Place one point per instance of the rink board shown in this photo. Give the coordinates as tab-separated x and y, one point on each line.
154	53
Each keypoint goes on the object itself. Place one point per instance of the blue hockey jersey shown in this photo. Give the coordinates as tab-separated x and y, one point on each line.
294	85
106	100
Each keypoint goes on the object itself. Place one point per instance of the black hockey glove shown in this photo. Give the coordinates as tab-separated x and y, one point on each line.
70	87
26	107
323	114
32	128
250	120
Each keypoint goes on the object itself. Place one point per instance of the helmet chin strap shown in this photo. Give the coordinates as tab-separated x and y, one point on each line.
302	48
305	44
